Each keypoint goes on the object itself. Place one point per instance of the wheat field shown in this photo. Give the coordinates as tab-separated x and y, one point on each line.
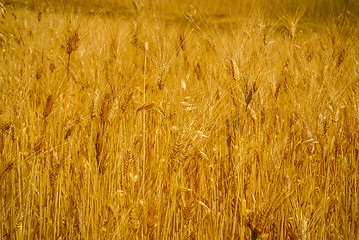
179	119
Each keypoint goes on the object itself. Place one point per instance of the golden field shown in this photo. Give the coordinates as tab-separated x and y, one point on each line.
179	120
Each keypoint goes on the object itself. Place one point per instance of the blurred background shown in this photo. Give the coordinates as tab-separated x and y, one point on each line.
216	8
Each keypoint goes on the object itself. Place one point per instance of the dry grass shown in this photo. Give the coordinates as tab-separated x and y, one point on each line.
197	126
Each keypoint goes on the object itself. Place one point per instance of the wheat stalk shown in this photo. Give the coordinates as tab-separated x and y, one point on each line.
114	111
103	164
135	217
54	173
127	162
7	168
48	106
235	71
144	106
94	109
99	145
152	215
105	109
341	57
160	84
70	126
40	143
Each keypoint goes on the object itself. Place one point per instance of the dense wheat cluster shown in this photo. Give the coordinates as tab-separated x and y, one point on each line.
145	121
